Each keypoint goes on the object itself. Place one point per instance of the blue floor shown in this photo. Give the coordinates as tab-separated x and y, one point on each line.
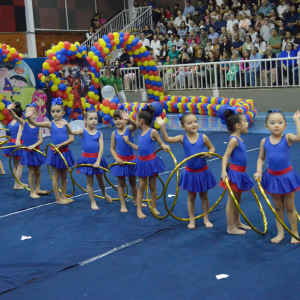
166	260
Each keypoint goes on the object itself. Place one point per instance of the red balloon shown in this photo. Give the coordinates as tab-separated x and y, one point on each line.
96	44
143	59
40	76
67	45
123	45
16	54
136	59
57	62
149	58
150	73
93	64
59	94
113	43
96	85
5	112
103	54
133	48
127	34
125	38
51	70
4	46
75	115
77	105
11	58
111	36
174	110
97	69
162	102
113	105
9	118
151	100
65	96
105	122
144	72
89	59
148	86
139	45
106	102
5	122
163	115
51	55
52	63
160	89
155	88
58	67
155	73
91	101
20	57
100	48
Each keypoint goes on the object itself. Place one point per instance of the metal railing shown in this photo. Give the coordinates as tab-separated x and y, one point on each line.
267	73
123	22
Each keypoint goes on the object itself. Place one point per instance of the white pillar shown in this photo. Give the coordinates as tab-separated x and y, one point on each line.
31	42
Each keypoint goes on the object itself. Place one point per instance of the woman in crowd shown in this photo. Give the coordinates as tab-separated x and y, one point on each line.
234	68
269	68
130	76
183	30
260	44
248	43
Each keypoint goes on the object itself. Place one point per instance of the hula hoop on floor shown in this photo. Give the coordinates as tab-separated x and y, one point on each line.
242	213
176	194
274	212
11	169
66	164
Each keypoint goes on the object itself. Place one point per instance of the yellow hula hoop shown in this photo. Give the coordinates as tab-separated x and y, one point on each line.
4	142
89	165
176	194
242	213
274	212
66	164
19	182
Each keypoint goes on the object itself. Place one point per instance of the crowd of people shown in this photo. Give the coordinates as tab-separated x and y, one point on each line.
231	31
97	23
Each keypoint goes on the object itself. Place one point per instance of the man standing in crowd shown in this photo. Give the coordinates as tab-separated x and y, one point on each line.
188	8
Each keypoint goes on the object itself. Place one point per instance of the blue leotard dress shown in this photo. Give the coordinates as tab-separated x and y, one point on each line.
58	136
238	178
147	164
280	177
196	177
14	129
90	147
124	152
30	137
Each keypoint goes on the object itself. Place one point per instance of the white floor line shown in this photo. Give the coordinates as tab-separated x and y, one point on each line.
18	212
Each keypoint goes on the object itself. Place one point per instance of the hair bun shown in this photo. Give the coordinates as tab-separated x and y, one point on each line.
17	104
228	113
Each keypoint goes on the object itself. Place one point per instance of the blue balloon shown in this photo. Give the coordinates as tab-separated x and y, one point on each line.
99	113
56	73
1	58
140	55
107	40
118	46
109	46
101	59
115	100
121	40
97	74
79	111
1	50
68	110
63	51
42	84
134	43
121	34
107	117
112	122
80	117
151	96
93	49
46	72
222	110
153	68
153	83
158	83
176	105
58	57
83	48
146	53
148	68
142	68
185	105
4	56
93	69
69	53
158	108
75	52
62	86
128	47
156	98
92	88
51	83
147	81
96	92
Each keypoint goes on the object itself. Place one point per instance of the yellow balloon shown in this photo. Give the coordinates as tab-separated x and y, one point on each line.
97	97
77	43
150	91
43	79
96	80
152	77
2	117
145	63
152	63
99	63
130	52
87	105
106	109
116	35
71	97
70	104
142	49
91	54
54	58
102	43
91	94
117	41
56	81
156	126
136	52
1	97
55	48
156	93
114	47
146	76
106	50
73	47
46	66
79	55
52	76
12	50
111	112
61	45
157	78
139	63
65	102
95	58
54	88
2	105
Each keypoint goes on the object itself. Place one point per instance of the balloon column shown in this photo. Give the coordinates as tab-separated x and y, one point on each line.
10	54
210	106
5	116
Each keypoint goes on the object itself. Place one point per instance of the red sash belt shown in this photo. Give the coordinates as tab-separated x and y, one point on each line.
127	158
196	171
14	141
37	148
90	155
62	150
281	172
147	157
238	168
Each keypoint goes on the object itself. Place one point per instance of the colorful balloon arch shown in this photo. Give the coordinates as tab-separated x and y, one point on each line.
12	56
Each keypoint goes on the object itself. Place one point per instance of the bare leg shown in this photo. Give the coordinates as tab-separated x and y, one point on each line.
152	186
102	187
132	183
139	198
18	170
289	205
121	187
279	208
205	207
239	224
231	214
191	209
31	170
90	191
63	184
38	181
1	168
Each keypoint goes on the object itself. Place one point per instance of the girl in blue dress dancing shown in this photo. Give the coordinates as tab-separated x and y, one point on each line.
280	179
236	173
61	139
196	177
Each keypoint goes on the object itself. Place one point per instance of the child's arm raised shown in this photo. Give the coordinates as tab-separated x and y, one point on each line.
14	115
100	153
155	136
230	147
293	138
39	142
165	136
125	116
134	146
260	161
113	152
28	115
209	145
69	129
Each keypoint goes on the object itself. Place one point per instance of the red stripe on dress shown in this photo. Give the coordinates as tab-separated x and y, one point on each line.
90	155
147	157
127	158
62	150
281	172
196	171
237	168
14	141
37	148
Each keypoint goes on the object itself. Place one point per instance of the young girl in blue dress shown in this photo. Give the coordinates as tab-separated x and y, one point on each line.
280	180
13	127
92	146
196	177
32	138
238	178
60	139
147	164
122	152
